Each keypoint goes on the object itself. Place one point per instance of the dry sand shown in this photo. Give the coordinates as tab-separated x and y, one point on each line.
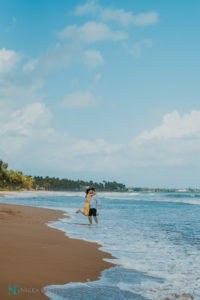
33	255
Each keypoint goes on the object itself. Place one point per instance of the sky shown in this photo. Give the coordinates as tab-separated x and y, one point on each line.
101	90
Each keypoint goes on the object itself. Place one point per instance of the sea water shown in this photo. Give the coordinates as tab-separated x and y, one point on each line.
154	237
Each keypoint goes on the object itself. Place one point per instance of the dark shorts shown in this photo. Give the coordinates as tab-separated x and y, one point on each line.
92	212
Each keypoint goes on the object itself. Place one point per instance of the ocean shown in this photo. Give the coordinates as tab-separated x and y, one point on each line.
155	238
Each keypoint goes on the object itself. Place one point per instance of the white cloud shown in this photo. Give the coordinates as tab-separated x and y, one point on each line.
120	16
175	126
117	15
30	65
8	60
93	58
29	141
59	56
176	142
17	90
22	131
97	77
21	86
92	32
149	18
138	46
80	99
22	122
90	7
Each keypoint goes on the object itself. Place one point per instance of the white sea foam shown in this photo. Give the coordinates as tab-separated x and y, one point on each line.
181	197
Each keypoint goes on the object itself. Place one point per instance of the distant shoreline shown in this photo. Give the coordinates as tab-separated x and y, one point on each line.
7	193
10	193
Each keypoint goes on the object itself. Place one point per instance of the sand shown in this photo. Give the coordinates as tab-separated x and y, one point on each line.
33	255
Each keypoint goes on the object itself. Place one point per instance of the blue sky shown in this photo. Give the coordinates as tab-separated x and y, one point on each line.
101	90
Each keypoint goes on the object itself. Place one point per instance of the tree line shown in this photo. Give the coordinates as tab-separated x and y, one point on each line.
16	180
57	184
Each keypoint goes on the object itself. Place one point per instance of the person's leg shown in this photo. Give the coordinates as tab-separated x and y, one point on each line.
90	216
95	215
96	220
78	211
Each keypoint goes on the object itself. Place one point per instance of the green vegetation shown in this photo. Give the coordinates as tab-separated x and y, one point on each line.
14	180
57	184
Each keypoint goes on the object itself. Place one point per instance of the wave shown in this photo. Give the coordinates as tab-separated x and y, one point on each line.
183	195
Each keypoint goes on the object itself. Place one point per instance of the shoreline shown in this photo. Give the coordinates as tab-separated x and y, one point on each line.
7	193
34	255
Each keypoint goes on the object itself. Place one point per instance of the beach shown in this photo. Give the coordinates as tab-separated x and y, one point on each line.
34	255
153	238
